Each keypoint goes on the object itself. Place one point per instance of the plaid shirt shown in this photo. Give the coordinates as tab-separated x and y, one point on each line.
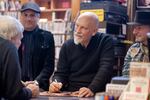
136	53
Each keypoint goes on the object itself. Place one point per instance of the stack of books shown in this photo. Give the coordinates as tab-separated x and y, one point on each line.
138	87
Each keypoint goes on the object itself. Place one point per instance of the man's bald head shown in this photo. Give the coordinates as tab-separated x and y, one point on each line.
91	17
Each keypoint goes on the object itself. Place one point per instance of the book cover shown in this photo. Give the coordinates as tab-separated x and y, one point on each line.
139	69
139	84
134	96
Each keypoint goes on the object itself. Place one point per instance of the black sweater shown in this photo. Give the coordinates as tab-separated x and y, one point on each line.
86	67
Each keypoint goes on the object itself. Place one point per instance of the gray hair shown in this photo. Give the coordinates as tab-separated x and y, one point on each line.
10	27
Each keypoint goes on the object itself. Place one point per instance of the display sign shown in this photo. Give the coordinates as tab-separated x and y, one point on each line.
98	12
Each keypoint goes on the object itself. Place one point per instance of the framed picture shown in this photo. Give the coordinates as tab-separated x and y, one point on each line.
143	3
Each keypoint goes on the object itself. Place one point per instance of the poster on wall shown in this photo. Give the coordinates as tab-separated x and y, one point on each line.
143	3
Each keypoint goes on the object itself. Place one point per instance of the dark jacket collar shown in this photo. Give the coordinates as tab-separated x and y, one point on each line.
31	32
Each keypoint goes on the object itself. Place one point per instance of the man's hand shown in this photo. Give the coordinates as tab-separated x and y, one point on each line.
29	82
55	87
85	92
34	88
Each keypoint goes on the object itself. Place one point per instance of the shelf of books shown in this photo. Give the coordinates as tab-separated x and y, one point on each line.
10	7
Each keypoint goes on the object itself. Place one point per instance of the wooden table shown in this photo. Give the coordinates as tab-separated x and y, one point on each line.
61	98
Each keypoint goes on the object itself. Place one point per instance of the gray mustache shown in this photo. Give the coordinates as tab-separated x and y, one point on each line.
77	33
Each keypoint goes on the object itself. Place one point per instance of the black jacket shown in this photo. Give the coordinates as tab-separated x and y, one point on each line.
41	56
11	87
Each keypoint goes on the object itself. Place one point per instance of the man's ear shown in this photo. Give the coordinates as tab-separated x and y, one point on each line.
95	31
38	19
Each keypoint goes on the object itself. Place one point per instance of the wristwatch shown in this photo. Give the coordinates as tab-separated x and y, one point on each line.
36	82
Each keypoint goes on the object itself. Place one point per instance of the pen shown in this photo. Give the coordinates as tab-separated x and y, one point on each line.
56	81
59	84
36	83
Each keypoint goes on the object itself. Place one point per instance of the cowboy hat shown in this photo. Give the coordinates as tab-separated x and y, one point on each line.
142	17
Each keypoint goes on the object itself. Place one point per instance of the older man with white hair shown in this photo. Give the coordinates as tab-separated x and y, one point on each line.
11	87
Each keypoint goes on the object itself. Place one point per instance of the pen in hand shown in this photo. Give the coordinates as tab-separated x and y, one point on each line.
59	84
56	81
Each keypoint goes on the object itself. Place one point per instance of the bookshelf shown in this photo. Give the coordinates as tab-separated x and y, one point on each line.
10	7
57	8
53	9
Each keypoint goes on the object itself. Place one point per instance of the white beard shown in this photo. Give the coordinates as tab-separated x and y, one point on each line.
76	41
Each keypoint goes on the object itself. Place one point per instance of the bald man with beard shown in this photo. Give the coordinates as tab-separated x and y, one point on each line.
86	62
